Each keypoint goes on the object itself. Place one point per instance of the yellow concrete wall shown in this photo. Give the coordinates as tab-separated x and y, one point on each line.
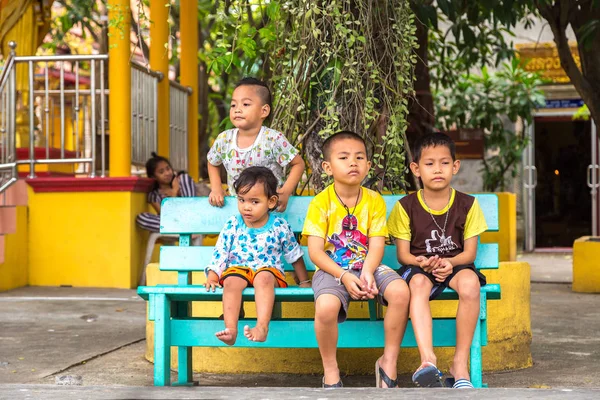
506	237
13	271
586	274
85	239
508	325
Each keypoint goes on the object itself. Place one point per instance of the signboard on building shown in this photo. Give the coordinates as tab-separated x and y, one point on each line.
543	58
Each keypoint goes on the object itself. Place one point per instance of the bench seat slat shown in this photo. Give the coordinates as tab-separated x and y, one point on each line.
195	258
193	214
290	294
200	332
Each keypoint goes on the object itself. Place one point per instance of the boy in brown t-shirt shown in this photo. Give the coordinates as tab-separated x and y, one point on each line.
436	231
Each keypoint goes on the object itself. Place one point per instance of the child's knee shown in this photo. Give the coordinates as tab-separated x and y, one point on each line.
420	283
264	279
469	287
397	294
327	309
234	282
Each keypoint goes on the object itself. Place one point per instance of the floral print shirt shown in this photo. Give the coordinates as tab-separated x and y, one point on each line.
241	246
270	149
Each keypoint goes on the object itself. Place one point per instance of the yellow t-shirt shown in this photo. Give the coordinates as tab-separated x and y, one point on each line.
346	233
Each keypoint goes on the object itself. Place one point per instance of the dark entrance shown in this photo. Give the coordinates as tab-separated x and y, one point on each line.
562	197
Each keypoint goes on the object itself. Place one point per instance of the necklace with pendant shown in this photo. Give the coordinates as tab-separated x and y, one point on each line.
447	213
344	204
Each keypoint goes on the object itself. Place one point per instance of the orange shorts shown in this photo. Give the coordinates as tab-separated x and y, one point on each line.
249	274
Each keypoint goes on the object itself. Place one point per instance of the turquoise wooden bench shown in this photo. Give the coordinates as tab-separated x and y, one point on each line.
170	305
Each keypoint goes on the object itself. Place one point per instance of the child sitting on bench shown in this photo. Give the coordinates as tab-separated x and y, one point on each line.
248	253
436	231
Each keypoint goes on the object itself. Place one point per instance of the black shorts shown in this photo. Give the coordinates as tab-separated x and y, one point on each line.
408	271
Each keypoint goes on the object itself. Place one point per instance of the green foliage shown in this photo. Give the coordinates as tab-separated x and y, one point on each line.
472	34
336	65
493	102
83	14
346	65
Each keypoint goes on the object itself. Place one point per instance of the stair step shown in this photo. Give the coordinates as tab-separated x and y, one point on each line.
8	220
15	195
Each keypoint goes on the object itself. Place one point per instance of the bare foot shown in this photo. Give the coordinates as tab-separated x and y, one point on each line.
227	336
256	334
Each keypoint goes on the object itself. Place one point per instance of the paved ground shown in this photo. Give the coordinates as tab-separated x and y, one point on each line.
98	335
103	392
549	267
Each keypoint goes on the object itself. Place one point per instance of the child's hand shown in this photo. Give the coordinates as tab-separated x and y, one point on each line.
355	287
305	284
212	281
283	200
428	264
175	187
216	197
442	270
369	280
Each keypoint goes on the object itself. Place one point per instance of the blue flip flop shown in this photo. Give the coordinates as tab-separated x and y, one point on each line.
429	376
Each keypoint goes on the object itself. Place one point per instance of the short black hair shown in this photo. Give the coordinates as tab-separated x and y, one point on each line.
262	89
432	140
256	175
326	149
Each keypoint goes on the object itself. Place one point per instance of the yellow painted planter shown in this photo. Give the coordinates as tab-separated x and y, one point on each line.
509	334
586	274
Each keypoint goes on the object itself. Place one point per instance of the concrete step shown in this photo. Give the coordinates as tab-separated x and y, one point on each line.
8	220
15	195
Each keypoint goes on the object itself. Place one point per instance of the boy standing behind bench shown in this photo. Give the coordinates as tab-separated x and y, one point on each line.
346	229
436	231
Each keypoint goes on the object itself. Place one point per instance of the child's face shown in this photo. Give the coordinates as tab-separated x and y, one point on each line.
163	173
247	109
254	205
347	162
435	167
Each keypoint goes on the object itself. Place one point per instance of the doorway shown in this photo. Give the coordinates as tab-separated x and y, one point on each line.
563	205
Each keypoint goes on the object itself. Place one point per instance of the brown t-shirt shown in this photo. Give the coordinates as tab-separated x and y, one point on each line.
411	220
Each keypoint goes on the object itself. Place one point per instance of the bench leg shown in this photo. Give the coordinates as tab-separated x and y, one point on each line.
162	340
476	363
185	375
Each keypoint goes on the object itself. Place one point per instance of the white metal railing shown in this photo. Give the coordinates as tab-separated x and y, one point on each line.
178	125
64	140
8	158
144	112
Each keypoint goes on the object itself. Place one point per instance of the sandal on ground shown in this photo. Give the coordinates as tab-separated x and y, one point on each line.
429	376
459	383
381	376
335	385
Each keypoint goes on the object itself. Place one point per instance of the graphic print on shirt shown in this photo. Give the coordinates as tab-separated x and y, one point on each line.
439	244
350	245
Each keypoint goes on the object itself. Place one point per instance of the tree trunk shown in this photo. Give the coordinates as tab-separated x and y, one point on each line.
421	111
587	79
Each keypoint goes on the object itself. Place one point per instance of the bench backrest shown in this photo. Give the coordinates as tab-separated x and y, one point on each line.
194	215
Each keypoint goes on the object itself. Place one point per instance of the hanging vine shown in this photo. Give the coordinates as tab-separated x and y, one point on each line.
345	64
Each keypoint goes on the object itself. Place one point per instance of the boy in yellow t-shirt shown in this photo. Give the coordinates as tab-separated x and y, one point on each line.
436	231
346	230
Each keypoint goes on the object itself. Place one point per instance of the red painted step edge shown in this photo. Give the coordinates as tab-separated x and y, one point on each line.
126	184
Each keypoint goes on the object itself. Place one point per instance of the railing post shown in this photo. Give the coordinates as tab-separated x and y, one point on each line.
119	101
159	61
188	22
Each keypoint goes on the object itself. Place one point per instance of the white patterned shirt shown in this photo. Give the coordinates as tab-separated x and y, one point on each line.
271	149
